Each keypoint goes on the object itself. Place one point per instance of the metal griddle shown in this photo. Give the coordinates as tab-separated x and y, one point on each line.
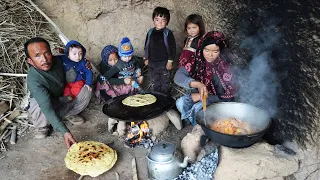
118	111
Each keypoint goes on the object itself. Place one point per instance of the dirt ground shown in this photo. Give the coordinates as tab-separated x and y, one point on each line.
35	159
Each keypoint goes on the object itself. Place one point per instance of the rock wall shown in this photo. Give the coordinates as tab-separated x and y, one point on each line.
293	56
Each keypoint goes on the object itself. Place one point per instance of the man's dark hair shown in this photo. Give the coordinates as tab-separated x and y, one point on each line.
34	40
162	12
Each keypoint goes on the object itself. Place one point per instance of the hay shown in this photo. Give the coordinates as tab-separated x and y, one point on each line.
19	21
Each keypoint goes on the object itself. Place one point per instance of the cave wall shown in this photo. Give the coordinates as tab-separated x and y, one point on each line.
293	56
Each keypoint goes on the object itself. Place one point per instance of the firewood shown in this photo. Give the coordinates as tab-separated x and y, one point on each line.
3	107
14	114
13	137
134	169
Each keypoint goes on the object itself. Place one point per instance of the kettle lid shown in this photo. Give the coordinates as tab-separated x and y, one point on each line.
163	148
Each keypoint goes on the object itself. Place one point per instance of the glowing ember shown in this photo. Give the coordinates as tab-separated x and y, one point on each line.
138	134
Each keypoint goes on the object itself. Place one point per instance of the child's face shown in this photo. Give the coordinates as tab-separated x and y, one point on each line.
193	30
113	59
126	59
159	22
75	54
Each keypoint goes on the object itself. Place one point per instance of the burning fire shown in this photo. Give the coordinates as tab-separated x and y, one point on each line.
136	132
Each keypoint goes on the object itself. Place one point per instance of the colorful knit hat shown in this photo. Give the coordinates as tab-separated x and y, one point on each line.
125	48
106	51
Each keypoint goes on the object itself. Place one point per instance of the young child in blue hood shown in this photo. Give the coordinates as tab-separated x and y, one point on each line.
77	75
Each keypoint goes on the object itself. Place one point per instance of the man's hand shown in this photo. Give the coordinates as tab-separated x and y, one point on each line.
89	88
146	62
127	80
68	139
88	65
140	79
169	65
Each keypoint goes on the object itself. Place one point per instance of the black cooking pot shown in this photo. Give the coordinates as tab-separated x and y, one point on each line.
254	117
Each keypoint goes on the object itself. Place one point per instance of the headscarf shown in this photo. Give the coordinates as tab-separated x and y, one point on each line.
216	76
106	51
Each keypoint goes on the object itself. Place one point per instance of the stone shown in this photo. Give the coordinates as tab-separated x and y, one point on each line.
158	124
111	124
259	161
190	144
174	117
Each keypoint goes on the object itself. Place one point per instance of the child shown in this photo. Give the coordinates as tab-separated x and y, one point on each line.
118	77
160	50
195	28
129	66
77	75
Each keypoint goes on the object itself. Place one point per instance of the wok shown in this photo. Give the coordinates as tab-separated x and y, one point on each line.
254	117
116	110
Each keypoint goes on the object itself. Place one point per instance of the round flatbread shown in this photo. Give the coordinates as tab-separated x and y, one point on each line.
90	158
139	100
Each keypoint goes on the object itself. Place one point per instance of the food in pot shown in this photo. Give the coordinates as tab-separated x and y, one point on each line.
232	126
139	100
90	158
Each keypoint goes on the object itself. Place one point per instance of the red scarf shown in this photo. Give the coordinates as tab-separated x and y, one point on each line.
204	72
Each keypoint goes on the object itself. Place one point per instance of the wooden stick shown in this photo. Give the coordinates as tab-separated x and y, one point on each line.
13	74
134	169
13	137
81	177
204	101
117	176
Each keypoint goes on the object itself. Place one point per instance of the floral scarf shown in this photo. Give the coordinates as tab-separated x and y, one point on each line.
216	75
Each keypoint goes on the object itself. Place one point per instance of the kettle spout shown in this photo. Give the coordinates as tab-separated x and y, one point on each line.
185	162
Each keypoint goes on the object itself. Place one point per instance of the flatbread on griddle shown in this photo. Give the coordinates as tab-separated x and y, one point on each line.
90	158
139	100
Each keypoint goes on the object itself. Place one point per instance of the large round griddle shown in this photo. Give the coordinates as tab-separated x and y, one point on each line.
116	110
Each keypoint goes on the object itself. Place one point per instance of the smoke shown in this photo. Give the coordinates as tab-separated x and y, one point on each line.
258	84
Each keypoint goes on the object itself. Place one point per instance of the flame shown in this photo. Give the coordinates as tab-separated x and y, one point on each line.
143	130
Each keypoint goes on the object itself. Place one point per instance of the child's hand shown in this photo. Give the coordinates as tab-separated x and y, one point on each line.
127	80
140	79
89	88
138	74
169	65
146	61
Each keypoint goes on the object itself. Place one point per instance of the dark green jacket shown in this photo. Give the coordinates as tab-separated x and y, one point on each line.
46	87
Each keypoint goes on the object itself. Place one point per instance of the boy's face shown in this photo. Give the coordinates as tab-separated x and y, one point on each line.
75	54
159	22
113	59
126	59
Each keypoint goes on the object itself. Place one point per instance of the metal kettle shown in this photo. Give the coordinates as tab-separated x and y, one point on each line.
162	163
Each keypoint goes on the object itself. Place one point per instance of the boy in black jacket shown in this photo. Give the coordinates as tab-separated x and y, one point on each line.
160	50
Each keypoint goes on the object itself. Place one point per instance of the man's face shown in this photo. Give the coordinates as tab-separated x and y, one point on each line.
40	56
159	22
75	54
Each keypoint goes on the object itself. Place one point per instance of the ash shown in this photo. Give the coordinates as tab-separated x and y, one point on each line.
202	169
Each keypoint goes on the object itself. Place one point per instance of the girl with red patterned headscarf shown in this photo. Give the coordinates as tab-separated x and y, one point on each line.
207	73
